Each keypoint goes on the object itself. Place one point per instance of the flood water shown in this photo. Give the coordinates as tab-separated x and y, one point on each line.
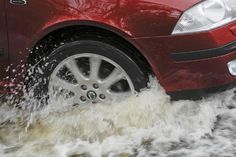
143	126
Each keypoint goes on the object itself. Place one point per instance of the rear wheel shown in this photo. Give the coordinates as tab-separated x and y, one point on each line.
87	71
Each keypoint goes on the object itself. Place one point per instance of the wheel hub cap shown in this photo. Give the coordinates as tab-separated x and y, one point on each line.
92	95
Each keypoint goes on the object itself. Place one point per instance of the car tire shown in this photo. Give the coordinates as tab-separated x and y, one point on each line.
112	54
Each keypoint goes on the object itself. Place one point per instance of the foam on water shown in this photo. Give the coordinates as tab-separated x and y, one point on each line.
146	125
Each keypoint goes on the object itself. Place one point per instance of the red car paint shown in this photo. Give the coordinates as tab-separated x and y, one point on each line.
147	24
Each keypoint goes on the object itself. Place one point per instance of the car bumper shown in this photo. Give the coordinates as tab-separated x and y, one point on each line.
192	62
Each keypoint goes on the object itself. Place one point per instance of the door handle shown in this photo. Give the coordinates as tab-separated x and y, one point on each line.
18	2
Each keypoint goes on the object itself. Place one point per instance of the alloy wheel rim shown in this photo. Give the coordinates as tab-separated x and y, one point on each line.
83	83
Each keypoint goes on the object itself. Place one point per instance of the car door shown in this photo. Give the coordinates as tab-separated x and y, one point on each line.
25	20
3	43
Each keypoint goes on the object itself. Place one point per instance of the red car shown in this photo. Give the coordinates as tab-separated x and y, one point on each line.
97	50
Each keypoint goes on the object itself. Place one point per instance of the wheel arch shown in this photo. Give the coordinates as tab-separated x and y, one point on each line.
84	29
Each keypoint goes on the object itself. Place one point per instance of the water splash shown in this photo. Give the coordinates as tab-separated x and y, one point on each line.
146	125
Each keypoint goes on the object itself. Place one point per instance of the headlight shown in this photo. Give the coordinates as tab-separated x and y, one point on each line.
206	15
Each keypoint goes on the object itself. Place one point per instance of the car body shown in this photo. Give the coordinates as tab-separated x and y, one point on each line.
147	25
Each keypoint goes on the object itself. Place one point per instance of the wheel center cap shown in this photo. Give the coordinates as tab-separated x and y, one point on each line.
91	95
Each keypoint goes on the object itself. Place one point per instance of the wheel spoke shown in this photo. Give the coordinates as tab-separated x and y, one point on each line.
58	82
95	63
114	77
72	66
73	100
119	95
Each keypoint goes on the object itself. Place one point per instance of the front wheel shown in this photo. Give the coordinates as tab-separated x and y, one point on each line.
87	71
